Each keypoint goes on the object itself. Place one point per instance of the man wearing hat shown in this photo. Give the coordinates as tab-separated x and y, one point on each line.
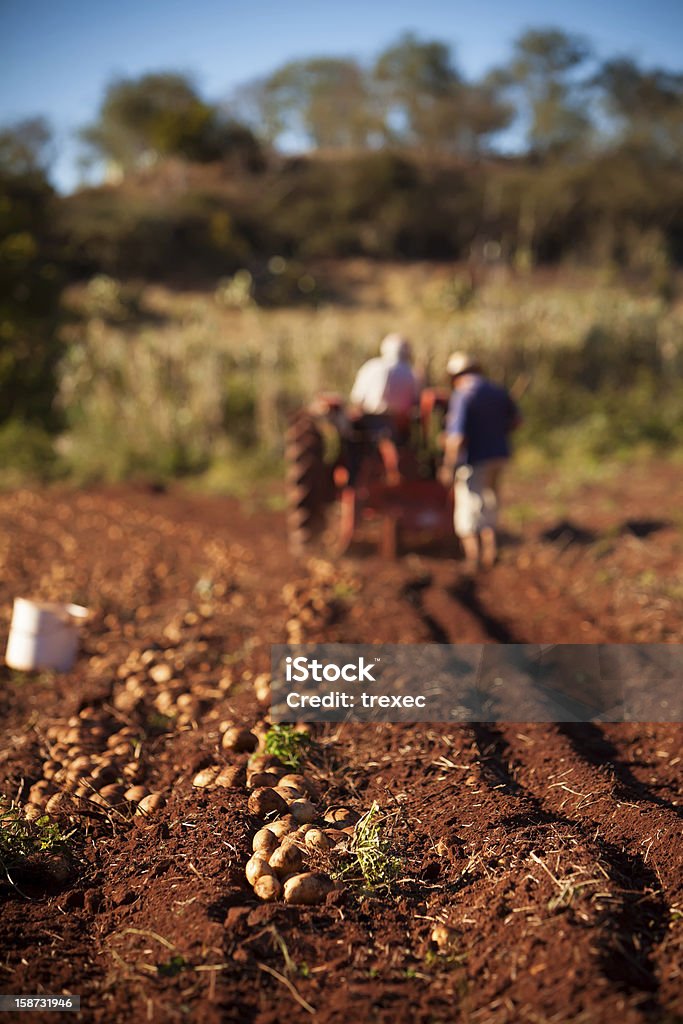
481	416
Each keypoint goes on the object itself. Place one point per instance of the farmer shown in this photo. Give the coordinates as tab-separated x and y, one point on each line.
386	385
481	416
383	398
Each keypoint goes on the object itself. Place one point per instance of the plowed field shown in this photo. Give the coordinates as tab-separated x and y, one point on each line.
552	855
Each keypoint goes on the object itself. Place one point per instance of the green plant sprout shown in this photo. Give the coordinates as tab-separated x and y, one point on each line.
288	745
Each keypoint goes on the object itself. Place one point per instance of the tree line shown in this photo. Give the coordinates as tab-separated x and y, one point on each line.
552	99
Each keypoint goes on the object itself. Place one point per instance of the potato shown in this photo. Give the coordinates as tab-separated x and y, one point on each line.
335	835
288	793
282	827
268	888
205	778
302	783
239	740
229	777
257	779
266	763
135	794
341	816
113	795
150	803
33	811
316	839
308	888
256	868
442	935
265	801
60	803
303	811
286	859
262	688
264	842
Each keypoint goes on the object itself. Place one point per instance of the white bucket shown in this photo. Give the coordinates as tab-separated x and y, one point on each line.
43	635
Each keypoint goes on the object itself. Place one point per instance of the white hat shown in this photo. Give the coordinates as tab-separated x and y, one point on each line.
460	362
395	346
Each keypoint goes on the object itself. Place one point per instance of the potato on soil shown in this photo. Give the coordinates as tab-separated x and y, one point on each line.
288	793
308	888
302	783
135	794
342	817
239	740
268	888
335	835
286	859
283	826
256	868
316	839
303	811
113	795
205	778
264	842
60	803
150	803
229	777
266	763
33	811
265	801
258	779
442	935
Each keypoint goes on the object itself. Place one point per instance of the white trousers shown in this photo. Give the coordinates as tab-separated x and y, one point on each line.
476	497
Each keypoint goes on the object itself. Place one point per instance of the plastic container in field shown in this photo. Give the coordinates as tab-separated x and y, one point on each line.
44	635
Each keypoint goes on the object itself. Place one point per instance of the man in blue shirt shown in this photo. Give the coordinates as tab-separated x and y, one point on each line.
480	417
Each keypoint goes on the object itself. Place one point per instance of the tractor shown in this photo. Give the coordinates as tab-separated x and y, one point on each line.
346	470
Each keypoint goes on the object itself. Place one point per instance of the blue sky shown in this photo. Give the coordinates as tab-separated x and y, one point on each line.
56	56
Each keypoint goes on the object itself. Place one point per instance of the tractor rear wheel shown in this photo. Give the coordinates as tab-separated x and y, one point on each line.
309	481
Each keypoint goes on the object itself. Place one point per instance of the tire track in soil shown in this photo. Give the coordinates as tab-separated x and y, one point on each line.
473	621
637	929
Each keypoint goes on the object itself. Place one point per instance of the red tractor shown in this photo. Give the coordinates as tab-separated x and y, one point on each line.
344	472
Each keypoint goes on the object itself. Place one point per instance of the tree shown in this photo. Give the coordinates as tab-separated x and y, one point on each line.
324	100
30	283
645	106
419	88
540	77
26	147
158	115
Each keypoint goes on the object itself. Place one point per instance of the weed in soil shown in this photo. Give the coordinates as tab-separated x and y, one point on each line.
288	745
23	841
378	866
